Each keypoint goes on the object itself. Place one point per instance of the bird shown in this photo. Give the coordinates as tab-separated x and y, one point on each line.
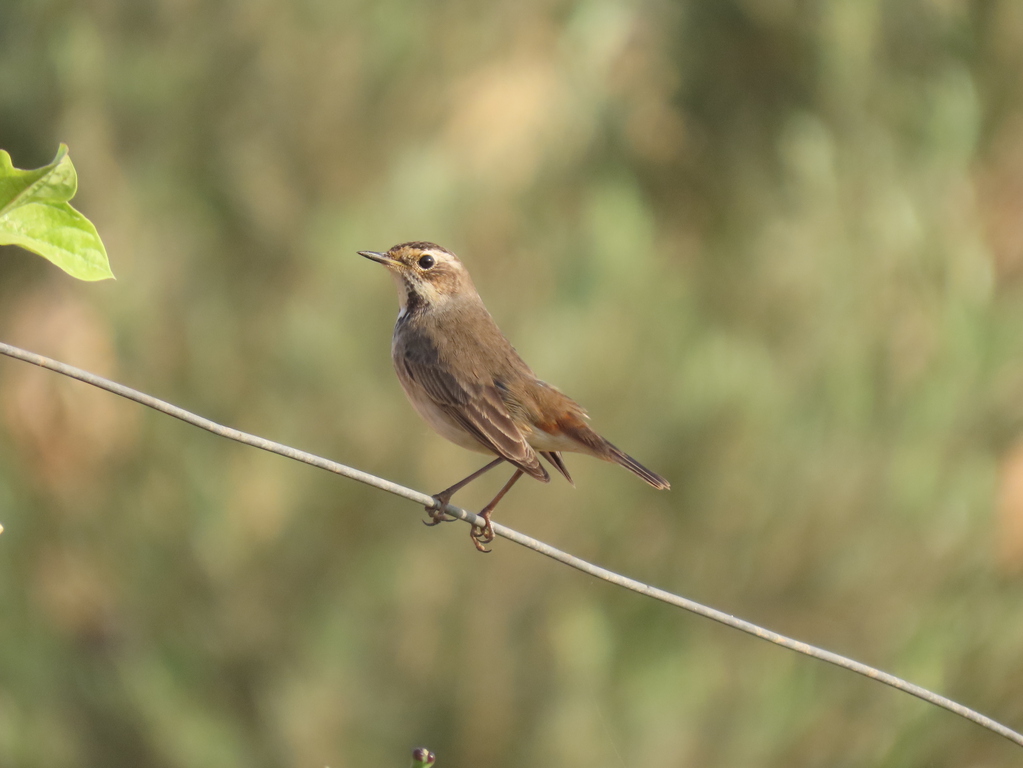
467	382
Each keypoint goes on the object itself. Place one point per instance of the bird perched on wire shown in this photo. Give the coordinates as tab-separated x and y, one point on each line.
469	384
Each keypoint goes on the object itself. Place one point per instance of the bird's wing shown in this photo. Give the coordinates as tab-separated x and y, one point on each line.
476	407
554	457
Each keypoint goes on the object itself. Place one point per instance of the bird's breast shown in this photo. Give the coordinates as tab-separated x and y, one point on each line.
430	412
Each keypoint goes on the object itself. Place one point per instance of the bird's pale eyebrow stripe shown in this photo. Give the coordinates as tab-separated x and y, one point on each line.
422	245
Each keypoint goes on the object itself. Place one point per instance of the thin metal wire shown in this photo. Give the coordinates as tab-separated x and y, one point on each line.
526	541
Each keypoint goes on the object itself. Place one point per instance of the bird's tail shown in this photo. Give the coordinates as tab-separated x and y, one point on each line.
579	430
619	456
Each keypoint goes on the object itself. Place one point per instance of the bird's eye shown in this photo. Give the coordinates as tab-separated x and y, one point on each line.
425	262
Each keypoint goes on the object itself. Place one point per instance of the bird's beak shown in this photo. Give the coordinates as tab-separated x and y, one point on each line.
380	258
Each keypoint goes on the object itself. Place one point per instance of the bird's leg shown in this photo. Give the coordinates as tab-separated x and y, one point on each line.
436	512
479	538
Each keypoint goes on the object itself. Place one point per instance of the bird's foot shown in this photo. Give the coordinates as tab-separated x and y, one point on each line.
436	512
482	536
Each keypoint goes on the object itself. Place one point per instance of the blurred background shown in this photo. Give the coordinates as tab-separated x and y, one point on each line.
775	247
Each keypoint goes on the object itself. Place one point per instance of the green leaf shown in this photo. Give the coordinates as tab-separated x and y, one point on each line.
35	214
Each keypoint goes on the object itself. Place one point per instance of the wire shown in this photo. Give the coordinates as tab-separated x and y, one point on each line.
519	538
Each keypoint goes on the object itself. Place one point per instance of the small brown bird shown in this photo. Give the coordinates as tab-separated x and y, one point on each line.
467	381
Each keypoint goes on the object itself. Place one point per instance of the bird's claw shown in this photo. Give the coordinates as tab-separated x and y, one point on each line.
482	536
437	513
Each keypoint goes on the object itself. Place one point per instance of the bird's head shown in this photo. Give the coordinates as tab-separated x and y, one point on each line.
425	274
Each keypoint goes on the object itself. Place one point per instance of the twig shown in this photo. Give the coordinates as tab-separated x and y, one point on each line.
519	538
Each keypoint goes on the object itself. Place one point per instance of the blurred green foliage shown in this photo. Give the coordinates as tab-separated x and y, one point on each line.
775	247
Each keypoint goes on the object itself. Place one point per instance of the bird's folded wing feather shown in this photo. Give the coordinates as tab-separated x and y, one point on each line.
479	410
